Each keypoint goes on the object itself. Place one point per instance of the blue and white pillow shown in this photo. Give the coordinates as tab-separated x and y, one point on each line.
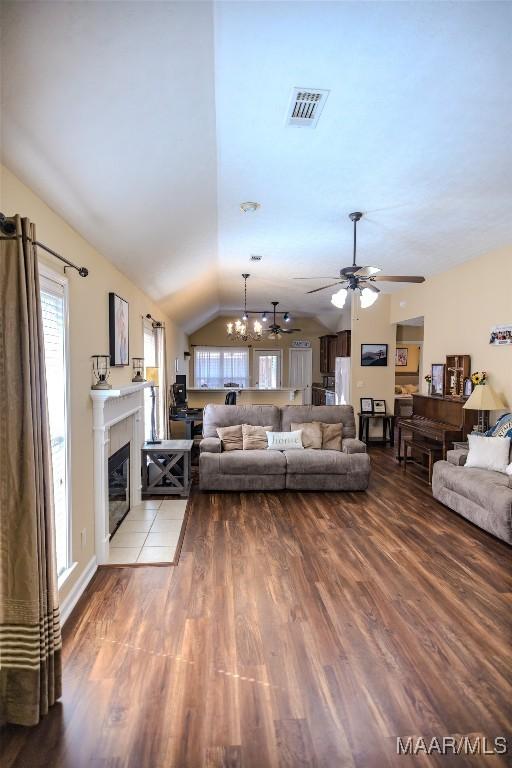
502	428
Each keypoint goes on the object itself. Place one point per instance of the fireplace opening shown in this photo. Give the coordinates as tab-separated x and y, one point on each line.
118	487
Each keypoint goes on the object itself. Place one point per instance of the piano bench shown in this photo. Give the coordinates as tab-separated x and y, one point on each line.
433	452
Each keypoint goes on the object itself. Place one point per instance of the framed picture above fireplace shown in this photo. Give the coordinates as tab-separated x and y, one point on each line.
118	316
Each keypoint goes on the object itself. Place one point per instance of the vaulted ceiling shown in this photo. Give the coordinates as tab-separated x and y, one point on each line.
146	124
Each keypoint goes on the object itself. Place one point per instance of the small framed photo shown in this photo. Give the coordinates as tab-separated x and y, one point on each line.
366	404
437	385
379	406
374	354
468	386
401	356
118	329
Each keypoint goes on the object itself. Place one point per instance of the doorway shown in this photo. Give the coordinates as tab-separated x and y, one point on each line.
301	371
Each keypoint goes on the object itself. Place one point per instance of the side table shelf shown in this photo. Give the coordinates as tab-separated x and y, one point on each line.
166	468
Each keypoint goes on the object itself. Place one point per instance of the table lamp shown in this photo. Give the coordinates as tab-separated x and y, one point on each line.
484	399
152	377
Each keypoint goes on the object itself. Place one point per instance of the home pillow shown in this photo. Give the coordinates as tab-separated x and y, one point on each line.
254	438
231	438
331	436
285	441
488	453
311	433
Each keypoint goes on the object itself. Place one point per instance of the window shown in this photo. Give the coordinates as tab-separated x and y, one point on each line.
54	311
267	368
150	361
216	367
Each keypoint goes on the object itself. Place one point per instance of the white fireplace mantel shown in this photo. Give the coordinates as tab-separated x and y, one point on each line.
109	407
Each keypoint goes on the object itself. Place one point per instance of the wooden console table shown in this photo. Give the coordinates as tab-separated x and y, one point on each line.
171	460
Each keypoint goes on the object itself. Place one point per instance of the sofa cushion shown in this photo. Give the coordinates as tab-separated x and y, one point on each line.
311	461
331	436
262	462
330	414
311	433
230	415
254	438
231	437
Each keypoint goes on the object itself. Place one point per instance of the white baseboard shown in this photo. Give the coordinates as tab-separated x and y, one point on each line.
76	592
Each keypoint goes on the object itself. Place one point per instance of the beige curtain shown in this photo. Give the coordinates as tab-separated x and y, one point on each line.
30	640
163	400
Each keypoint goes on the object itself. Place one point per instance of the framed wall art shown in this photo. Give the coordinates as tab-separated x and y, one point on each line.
437	385
374	354
118	317
401	357
366	404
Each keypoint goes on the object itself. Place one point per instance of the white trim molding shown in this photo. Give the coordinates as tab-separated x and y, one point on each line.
109	407
77	591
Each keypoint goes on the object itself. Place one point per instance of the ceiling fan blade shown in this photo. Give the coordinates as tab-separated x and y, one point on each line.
367	271
399	278
367	284
329	277
324	287
291	330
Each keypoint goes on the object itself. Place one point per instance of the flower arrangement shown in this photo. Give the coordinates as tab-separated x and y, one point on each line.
428	378
479	377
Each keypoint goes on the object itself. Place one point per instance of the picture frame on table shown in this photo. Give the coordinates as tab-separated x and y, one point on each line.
401	357
379	406
437	384
118	330
468	386
366	405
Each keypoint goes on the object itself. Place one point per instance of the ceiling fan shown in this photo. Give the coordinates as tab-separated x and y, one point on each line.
275	330
360	279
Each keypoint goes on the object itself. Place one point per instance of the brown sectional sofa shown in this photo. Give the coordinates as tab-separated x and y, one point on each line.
482	496
256	470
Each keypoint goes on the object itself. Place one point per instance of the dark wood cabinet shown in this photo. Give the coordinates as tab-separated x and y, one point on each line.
328	353
343	344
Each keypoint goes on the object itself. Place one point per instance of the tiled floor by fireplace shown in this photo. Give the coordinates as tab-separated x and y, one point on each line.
149	533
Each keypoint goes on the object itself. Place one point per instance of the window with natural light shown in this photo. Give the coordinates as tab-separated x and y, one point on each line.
53	302
150	361
215	367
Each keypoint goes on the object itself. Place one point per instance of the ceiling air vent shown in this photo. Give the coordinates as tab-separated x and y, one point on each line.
255	257
306	106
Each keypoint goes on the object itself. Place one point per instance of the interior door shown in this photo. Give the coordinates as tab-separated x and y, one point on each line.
301	371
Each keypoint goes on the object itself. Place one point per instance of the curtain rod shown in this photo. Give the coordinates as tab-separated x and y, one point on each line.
8	228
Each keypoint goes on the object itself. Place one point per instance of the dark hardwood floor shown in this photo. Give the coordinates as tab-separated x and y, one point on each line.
299	629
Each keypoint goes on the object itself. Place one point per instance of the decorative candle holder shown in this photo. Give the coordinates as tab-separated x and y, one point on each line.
101	371
138	369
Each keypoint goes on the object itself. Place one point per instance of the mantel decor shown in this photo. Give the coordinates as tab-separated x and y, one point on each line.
101	371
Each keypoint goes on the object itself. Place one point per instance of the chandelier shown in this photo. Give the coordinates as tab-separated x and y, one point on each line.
238	330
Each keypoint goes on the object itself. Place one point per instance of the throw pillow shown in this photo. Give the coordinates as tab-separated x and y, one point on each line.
502	428
231	438
285	441
311	433
331	436
488	453
254	438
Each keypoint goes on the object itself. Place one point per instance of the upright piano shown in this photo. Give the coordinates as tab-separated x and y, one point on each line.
440	420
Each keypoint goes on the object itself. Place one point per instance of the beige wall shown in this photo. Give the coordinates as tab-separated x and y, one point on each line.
214	334
459	307
88	334
413	358
372	326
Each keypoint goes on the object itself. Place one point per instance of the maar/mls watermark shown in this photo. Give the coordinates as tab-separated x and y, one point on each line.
453	745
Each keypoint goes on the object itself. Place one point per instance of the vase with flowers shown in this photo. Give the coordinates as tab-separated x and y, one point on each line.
428	379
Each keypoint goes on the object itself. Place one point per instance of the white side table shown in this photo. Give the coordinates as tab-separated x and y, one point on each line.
172	462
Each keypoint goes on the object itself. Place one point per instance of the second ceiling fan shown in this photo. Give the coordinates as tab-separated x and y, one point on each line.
360	279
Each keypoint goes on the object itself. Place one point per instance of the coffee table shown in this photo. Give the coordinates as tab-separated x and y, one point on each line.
166	468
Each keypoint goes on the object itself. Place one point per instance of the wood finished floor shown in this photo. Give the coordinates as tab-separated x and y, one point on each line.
299	629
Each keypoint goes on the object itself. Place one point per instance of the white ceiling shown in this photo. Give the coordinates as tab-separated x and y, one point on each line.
146	124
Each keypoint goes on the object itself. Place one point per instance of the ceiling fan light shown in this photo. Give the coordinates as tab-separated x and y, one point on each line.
339	298
368	297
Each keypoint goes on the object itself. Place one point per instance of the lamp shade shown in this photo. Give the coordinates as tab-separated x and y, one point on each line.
484	398
152	375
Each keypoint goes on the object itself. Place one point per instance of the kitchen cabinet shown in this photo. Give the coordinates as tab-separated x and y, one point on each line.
343	344
328	353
